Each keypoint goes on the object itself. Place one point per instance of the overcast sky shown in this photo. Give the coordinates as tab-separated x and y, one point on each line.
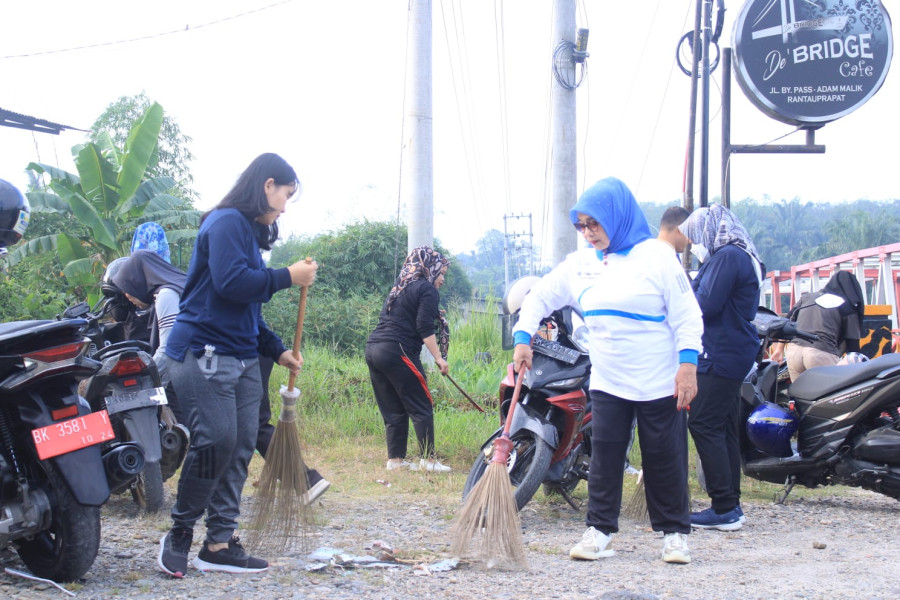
321	83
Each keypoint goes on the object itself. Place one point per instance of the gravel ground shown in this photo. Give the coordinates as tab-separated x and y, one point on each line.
829	547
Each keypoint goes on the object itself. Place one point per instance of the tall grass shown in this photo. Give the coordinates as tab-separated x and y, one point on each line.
337	407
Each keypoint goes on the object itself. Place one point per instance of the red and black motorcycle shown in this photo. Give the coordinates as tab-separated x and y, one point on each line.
551	428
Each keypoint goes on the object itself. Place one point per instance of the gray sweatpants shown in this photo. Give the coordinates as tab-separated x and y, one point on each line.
220	398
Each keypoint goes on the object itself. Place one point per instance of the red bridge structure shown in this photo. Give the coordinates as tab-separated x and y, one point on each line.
877	270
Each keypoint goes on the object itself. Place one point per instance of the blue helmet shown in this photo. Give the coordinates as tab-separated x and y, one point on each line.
770	429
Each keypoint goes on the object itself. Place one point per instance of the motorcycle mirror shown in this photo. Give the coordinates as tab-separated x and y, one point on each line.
829	301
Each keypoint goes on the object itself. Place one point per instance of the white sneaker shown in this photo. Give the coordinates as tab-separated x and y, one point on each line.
593	545
398	463
675	549
430	465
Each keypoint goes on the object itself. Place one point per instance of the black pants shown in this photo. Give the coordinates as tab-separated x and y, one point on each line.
662	434
713	423
402	395
266	429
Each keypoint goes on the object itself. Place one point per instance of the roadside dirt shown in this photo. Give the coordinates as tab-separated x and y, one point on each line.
840	546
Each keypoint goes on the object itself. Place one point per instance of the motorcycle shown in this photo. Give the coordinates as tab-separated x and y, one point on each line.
835	425
551	428
54	472
128	386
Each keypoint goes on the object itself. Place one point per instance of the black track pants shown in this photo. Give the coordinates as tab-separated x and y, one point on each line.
402	395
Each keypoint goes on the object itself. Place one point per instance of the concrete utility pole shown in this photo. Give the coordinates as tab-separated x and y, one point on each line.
417	169
564	169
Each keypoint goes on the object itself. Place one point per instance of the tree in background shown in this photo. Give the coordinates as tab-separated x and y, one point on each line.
102	205
172	155
357	267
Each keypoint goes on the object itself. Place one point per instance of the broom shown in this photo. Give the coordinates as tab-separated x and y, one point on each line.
490	509
281	510
636	509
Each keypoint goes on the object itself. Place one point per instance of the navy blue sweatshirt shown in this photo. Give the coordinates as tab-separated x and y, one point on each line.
728	293
227	282
412	317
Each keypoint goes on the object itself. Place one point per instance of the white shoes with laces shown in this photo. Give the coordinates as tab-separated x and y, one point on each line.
593	545
398	463
431	465
675	549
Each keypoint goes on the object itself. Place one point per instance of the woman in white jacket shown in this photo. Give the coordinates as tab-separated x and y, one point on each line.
645	330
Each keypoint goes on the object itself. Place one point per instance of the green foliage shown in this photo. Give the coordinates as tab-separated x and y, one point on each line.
171	157
338	403
32	290
98	209
357	267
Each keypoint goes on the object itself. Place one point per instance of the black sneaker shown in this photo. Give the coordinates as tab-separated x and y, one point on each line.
317	486
232	559
173	552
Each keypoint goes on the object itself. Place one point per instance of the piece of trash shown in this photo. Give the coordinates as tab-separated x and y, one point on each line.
383	482
444	565
41	579
819	545
384	551
324	554
316	566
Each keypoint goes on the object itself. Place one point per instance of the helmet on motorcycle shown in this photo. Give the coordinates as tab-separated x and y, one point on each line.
107	286
518	289
14	214
770	429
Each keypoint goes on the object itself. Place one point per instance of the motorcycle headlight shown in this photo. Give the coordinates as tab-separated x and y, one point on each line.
565	384
580	334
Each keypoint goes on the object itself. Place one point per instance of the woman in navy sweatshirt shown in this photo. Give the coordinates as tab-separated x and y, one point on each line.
213	350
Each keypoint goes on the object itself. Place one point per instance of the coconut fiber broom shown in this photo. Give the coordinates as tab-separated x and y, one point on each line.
281	510
490	512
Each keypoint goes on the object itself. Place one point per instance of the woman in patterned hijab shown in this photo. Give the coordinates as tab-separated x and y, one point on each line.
406	323
151	236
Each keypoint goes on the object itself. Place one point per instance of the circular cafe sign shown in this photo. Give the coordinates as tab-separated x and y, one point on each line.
808	62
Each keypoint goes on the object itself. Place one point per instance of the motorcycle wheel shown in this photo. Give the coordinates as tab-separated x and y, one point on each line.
66	550
527	465
147	490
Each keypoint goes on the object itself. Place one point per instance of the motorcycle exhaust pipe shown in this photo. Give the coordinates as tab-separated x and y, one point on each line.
122	464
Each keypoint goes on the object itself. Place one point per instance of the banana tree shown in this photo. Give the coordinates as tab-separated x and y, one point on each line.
107	199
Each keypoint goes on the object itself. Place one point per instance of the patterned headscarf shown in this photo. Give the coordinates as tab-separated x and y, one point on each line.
151	236
423	263
715	226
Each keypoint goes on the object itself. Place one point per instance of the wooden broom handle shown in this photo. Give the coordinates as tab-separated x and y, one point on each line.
298	334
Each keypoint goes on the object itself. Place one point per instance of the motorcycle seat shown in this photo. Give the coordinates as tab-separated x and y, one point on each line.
818	382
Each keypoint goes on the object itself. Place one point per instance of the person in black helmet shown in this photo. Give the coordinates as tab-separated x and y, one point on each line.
14	214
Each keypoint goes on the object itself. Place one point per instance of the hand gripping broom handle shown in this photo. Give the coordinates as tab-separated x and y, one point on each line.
503	445
298	334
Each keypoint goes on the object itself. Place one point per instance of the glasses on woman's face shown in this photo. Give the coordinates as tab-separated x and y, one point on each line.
591	224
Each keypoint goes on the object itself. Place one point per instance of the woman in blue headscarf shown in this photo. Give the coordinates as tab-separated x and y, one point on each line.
644	330
151	236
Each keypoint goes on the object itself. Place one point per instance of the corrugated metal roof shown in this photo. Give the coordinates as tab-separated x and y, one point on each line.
9	118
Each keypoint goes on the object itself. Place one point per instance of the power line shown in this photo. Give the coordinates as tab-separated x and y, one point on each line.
187	29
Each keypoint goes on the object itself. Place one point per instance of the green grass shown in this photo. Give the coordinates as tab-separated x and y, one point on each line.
343	433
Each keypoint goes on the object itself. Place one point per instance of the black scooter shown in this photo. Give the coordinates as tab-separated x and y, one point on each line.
846	419
129	388
53	476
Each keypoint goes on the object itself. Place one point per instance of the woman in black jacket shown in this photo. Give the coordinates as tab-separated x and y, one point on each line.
407	321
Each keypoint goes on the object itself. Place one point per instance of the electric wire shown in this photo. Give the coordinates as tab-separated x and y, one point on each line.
459	107
465	109
409	14
500	43
658	115
186	29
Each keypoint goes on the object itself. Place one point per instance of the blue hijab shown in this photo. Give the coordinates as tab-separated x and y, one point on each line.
151	236
611	203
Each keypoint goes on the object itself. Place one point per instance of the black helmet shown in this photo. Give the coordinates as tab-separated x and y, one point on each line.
14	213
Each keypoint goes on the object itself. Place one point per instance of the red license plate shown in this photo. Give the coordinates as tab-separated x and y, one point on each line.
71	435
